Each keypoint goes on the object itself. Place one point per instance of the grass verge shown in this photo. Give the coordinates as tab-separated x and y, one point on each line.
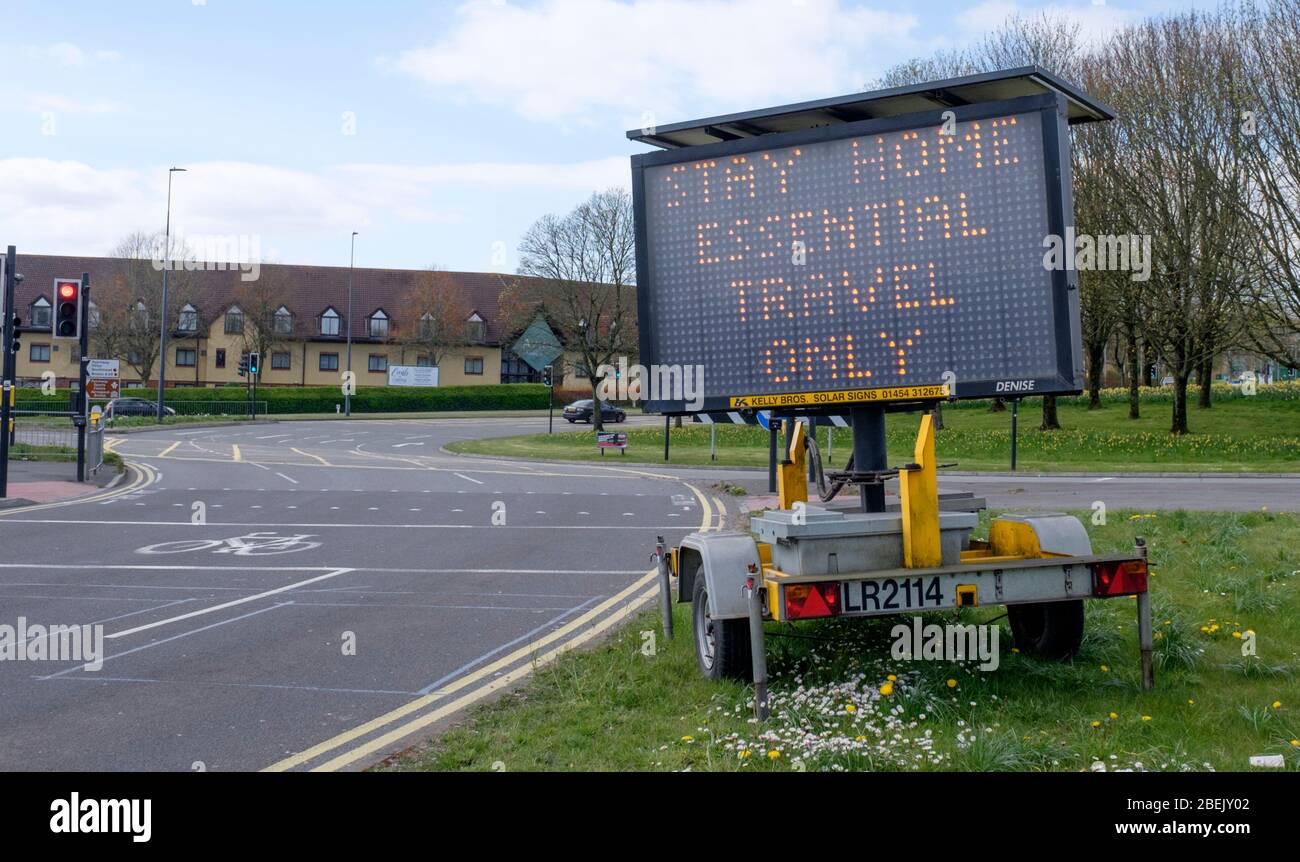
1216	576
1237	435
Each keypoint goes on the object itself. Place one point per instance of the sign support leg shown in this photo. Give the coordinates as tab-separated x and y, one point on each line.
7	363
869	452
82	401
757	648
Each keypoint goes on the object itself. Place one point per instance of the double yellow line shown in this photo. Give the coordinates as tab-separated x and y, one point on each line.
143	477
618	608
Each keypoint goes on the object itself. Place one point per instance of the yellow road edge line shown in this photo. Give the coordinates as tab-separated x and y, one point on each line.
164	452
310	455
419	703
423	701
404	730
722	512
142	472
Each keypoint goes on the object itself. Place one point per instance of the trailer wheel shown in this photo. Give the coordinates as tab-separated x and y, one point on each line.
1050	629
721	646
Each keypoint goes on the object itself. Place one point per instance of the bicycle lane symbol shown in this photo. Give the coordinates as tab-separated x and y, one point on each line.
248	545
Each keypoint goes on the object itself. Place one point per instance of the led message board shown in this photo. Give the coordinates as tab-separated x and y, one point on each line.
883	260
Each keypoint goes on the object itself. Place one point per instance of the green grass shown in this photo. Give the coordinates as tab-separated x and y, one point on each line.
614	708
1237	434
29	452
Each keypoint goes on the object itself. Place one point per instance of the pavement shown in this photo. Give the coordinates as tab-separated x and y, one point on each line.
317	595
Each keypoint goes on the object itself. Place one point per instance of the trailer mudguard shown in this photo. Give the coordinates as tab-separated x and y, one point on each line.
726	561
1039	535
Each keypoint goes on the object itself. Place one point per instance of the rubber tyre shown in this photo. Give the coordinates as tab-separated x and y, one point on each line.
1048	629
571	421
730	657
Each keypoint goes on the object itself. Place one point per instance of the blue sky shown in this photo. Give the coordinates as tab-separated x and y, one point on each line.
438	130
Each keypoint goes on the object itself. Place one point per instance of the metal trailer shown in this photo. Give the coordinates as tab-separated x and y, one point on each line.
807	562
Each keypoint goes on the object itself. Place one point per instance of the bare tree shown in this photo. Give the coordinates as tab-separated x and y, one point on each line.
434	316
128	307
583	268
260	301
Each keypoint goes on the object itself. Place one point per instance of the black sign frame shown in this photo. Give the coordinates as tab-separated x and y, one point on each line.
1068	379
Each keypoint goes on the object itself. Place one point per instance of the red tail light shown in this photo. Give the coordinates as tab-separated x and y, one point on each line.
806	601
1119	578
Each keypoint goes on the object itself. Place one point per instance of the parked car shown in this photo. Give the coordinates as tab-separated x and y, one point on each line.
581	411
133	407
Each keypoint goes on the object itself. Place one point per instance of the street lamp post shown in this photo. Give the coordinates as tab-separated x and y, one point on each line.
347	386
167	265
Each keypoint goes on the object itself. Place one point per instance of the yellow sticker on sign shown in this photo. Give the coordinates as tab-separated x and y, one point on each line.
844	396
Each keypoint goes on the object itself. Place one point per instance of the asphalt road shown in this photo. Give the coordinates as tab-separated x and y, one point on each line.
313	595
236	569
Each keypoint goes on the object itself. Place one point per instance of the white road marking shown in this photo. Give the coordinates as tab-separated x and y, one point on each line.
289	478
471	479
229	604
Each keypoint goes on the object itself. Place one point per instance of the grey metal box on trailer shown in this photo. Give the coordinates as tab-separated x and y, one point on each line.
817	541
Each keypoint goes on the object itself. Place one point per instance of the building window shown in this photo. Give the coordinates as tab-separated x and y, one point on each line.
378	362
234	322
283	321
329	322
378	325
580	371
426	326
41	312
280	359
189	321
329	362
515	370
423	362
221	357
474	331
473	364
186	357
39	353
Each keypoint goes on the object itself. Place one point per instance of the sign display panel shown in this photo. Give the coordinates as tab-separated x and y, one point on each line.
412	375
874	266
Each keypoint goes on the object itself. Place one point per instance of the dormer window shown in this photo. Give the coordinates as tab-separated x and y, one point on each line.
189	319
283	321
379	324
329	322
475	329
234	321
41	312
426	326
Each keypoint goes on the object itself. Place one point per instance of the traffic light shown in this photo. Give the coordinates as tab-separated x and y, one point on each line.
253	362
13	343
243	364
67	309
547	373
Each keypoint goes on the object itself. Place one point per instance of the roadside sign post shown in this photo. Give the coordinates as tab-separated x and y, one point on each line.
83	402
6	410
1015	421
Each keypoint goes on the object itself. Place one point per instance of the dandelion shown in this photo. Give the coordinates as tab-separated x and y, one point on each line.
773	754
1277	704
688	739
1114	715
1191	702
952	683
1146	718
745	755
887	689
1295	743
892	678
1237	635
1096	724
850	709
1105	669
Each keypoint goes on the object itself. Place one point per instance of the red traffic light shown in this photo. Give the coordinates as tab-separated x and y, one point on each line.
68	290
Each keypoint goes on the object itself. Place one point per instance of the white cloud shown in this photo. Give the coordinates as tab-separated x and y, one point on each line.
69	55
70	207
569	60
42	102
